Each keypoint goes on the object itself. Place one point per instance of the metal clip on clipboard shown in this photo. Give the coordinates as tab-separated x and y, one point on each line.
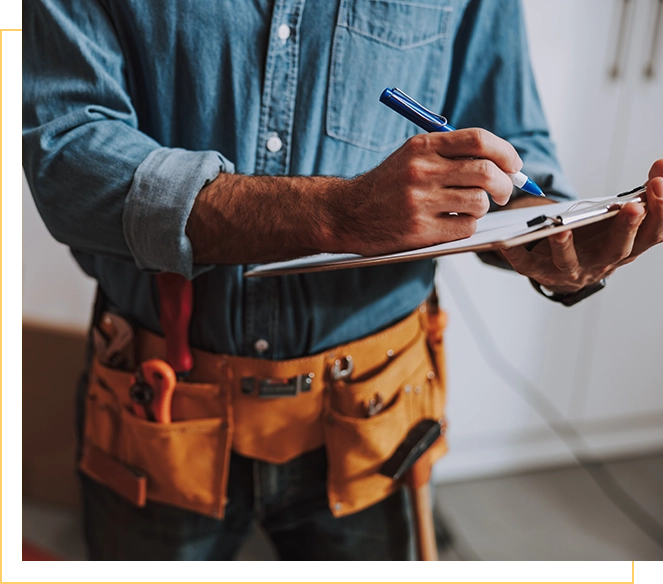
588	209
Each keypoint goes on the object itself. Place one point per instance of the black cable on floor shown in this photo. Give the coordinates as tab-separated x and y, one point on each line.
594	467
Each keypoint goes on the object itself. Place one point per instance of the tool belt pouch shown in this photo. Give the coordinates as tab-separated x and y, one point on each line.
361	418
368	415
183	463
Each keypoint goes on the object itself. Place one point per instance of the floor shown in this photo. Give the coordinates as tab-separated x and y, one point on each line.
559	514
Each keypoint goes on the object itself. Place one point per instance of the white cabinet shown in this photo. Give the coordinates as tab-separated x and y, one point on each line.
573	46
609	128
639	126
598	364
626	381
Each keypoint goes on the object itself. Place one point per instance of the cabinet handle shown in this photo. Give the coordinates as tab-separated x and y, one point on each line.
616	69
650	68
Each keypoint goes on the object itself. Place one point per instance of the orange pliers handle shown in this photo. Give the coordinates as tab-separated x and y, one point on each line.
151	391
153	385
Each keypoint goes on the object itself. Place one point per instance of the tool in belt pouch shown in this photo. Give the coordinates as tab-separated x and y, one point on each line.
359	400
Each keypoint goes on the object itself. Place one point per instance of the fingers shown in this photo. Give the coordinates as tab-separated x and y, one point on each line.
472	202
654	218
561	266
481	173
558	268
563	253
477	143
494	158
651	229
521	260
621	236
464	158
656	169
450	228
434	230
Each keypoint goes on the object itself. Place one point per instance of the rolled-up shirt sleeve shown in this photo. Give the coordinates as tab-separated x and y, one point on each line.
159	203
101	184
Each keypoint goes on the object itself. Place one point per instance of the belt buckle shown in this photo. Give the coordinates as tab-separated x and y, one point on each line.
277	386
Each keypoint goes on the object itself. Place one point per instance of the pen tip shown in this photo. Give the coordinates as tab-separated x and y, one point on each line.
532	188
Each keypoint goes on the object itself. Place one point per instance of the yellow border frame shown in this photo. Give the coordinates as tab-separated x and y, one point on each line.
11	414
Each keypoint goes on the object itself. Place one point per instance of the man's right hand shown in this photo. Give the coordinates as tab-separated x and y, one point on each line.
431	190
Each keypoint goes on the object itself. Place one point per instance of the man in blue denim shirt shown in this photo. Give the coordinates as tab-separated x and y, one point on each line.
201	138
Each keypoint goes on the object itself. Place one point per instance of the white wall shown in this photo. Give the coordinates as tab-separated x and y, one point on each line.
55	291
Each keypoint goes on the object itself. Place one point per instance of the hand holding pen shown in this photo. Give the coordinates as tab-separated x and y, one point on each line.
431	122
431	190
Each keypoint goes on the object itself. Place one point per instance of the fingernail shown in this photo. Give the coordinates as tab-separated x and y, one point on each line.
657	192
634	219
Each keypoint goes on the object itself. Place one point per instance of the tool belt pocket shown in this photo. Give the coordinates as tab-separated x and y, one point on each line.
182	463
367	418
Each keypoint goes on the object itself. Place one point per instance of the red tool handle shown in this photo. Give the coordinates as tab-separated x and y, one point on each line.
176	305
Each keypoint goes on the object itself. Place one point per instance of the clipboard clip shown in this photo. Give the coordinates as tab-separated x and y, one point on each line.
586	209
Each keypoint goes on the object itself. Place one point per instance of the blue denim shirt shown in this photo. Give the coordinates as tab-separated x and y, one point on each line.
131	107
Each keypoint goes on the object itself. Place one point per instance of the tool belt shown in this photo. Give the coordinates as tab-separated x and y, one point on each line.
359	400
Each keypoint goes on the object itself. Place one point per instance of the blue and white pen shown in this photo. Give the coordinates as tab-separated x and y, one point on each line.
431	122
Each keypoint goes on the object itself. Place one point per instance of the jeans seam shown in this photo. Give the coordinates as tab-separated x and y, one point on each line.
257	492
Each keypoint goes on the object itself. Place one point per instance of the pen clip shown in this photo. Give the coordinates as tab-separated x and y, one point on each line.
403	104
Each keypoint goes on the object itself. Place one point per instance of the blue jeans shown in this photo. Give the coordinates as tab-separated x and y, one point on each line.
289	500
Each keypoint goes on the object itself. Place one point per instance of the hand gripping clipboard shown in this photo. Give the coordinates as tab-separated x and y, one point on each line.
495	230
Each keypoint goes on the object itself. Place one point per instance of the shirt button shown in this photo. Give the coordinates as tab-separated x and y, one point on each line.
283	32
261	345
274	143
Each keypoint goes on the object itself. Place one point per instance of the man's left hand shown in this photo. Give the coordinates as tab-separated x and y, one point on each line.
571	260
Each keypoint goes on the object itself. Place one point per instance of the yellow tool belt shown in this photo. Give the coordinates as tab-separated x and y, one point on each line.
358	400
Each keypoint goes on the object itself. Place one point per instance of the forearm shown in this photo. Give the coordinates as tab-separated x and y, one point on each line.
431	190
240	219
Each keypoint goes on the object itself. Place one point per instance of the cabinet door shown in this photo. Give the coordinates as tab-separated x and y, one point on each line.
574	45
626	380
639	134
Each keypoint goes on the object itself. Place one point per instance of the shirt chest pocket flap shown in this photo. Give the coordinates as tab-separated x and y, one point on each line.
380	43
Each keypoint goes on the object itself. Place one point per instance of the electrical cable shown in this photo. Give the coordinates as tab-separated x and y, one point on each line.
565	431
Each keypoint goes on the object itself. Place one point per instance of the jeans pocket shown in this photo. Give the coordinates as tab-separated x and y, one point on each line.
380	43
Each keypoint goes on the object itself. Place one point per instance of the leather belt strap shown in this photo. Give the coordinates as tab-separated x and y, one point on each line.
366	354
279	429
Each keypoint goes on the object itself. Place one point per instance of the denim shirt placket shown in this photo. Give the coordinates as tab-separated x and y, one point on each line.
261	295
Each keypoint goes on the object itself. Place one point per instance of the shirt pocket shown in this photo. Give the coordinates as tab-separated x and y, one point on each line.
378	44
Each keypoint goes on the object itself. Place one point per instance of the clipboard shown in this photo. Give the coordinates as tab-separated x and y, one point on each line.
500	229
